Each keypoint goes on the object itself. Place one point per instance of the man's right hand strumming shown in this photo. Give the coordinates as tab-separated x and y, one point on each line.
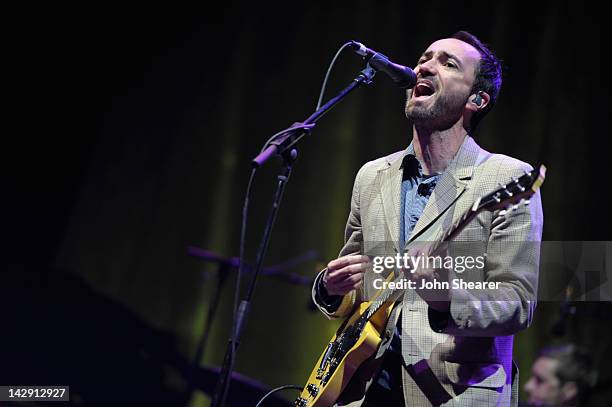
345	274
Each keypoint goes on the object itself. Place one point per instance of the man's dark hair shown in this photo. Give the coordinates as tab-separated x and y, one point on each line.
488	76
573	365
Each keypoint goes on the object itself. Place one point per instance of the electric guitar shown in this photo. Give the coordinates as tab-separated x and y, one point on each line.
359	336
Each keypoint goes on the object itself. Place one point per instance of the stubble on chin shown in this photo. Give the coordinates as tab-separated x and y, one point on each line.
417	112
441	113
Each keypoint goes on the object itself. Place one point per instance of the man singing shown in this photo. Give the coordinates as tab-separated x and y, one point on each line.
454	349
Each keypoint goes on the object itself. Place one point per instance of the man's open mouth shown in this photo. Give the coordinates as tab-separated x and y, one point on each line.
423	90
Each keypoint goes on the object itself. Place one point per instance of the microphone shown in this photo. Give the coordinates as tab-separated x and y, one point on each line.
401	76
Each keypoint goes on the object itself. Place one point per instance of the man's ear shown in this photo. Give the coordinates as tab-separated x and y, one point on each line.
478	101
569	391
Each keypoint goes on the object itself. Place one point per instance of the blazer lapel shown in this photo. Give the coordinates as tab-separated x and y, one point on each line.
451	185
391	187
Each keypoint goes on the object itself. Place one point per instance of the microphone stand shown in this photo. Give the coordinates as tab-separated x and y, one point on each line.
282	145
222	274
225	266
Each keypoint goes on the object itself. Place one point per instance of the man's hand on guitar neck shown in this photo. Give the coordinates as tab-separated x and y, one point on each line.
345	274
437	298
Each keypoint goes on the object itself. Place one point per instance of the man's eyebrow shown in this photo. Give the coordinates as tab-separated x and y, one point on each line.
428	54
451	56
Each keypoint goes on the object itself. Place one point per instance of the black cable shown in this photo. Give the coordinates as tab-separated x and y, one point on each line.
287	386
319	102
331	65
241	265
271	139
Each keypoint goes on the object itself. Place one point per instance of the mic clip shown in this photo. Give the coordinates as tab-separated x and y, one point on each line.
366	76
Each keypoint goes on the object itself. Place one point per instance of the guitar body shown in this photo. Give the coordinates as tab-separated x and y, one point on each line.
352	344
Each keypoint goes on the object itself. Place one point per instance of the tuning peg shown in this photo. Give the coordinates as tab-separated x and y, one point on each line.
527	202
522	188
527	172
505	188
515	180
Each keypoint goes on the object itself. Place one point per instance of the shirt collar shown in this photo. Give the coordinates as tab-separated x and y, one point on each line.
410	164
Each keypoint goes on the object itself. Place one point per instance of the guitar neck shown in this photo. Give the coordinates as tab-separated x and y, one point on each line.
389	294
454	230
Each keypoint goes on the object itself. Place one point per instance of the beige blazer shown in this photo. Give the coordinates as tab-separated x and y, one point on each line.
464	357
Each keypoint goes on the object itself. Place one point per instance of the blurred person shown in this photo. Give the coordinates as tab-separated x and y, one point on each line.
561	377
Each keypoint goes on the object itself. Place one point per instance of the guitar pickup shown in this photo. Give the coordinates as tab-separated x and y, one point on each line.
312	389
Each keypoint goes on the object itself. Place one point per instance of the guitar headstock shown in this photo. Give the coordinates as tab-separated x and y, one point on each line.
513	194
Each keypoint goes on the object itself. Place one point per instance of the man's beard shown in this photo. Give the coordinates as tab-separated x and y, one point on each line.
443	113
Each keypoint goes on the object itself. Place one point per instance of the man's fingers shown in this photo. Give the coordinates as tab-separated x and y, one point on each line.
347	260
350	287
350	279
345	281
339	279
348	269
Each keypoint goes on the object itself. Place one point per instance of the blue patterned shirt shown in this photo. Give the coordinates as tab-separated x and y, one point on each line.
416	190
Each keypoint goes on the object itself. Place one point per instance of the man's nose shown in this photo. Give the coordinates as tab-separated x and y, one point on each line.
427	68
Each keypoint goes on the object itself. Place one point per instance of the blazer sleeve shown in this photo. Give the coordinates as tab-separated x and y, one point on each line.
341	307
512	260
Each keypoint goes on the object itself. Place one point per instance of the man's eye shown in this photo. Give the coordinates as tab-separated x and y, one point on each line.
450	64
